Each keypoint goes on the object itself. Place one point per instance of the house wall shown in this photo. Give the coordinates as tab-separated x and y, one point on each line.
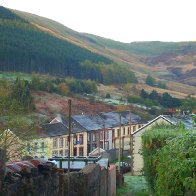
110	139
75	145
96	139
39	147
137	146
125	135
79	145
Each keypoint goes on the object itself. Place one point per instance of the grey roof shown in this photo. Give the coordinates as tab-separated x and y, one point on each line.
52	130
89	122
106	119
187	120
75	126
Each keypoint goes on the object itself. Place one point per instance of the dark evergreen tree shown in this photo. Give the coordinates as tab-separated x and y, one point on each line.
150	80
143	94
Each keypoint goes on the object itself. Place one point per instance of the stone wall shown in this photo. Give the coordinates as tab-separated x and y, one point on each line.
46	180
90	181
42	181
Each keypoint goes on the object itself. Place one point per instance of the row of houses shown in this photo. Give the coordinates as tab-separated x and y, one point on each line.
88	132
103	130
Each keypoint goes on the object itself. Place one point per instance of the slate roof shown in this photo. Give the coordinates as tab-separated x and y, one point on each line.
82	123
53	129
106	119
187	120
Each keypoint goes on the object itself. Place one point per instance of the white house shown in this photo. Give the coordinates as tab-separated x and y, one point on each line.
137	140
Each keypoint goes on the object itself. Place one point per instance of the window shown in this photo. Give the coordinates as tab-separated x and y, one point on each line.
61	142
60	152
81	139
55	143
113	133
42	146
128	130
88	137
106	145
81	151
36	147
118	132
75	151
66	152
88	148
101	144
94	137
67	141
124	131
134	128
75	139
106	135
101	135
28	148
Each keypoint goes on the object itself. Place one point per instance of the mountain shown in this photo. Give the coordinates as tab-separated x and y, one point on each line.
170	62
26	48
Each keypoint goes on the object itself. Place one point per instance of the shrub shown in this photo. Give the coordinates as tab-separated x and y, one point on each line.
176	168
152	141
108	96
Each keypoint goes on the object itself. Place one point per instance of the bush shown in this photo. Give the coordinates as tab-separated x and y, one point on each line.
176	168
152	141
108	96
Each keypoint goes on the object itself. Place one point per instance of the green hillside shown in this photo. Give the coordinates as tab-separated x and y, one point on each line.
148	48
25	48
152	48
168	61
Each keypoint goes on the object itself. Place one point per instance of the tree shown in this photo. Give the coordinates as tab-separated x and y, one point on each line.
143	94
20	93
108	96
154	95
13	137
150	80
63	88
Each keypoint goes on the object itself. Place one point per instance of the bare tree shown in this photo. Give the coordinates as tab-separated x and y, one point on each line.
14	136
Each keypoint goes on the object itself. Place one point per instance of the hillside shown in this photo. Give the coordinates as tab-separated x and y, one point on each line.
26	48
173	61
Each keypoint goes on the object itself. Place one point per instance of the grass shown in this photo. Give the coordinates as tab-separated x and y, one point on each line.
133	185
11	76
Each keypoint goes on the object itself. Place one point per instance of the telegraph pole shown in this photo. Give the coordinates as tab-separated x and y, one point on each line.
69	145
131	144
119	151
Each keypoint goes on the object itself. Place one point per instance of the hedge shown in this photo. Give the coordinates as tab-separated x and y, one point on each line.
152	142
176	167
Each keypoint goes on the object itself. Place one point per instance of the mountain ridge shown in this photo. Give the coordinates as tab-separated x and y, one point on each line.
26	48
163	60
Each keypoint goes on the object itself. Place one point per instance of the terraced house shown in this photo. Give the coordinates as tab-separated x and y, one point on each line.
88	132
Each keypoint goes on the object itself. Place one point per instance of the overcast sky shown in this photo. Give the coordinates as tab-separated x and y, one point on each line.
121	20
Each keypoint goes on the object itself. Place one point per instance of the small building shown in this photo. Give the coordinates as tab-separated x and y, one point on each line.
137	140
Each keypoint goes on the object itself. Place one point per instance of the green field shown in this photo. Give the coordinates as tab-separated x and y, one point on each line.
12	76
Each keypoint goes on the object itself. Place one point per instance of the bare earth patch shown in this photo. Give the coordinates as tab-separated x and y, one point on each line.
51	103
